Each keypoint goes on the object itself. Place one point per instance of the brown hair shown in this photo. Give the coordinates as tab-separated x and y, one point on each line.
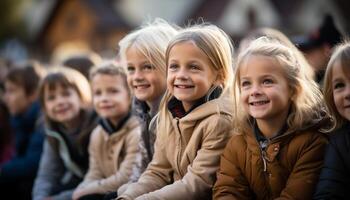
66	77
26	75
341	54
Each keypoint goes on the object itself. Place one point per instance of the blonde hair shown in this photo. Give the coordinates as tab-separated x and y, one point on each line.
341	54
217	46
307	102
151	40
275	34
67	78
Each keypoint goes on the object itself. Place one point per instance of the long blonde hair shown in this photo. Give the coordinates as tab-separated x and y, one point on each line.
217	46
307	101
151	40
275	34
340	55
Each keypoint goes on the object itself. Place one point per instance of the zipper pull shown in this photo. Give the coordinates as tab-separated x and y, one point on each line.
264	161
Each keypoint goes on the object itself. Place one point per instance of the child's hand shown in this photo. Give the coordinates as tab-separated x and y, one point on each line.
78	193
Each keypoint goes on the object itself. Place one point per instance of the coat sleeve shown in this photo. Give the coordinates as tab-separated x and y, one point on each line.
49	174
104	185
157	175
333	180
304	176
27	165
231	183
200	177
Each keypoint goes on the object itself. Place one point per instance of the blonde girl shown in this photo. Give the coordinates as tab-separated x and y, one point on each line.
142	53
334	178
194	121
277	151
65	96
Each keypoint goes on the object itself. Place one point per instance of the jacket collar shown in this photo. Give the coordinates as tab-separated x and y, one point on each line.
111	128
177	110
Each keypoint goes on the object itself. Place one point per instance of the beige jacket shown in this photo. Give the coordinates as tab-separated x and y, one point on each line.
111	157
184	165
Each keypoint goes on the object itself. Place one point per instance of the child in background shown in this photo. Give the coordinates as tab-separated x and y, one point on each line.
66	99
334	180
194	122
278	149
21	98
114	143
142	53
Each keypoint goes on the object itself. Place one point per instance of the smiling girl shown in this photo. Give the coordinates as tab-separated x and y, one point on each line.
66	99
142	53
334	178
194	122
278	149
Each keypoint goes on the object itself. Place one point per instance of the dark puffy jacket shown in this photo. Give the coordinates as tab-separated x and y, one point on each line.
334	181
29	137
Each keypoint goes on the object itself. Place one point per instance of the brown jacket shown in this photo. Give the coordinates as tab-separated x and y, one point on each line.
289	168
111	157
184	164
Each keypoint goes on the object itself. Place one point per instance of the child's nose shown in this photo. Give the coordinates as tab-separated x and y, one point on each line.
255	90
182	75
138	75
347	92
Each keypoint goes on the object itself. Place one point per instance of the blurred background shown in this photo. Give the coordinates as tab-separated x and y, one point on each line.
48	29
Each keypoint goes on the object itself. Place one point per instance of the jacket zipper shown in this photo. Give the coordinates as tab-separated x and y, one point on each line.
266	174
178	159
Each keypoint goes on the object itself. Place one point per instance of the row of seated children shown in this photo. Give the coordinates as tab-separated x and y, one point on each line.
270	106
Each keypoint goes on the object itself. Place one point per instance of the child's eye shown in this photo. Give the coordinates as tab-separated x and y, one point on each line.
50	97
97	92
267	81
130	69
147	67
245	83
113	90
173	67
66	93
194	67
338	85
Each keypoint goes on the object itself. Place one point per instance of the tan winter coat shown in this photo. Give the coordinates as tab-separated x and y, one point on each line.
185	163
287	169
111	157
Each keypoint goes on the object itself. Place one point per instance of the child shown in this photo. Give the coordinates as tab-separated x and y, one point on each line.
114	143
66	99
278	150
18	173
142	53
334	179
194	122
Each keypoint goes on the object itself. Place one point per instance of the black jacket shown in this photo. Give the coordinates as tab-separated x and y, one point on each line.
334	181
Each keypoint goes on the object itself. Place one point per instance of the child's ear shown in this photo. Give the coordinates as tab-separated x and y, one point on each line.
294	93
218	80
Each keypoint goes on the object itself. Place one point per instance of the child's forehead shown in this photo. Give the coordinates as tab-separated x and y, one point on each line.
55	86
341	68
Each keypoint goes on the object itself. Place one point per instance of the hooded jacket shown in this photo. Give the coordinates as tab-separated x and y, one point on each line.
287	168
64	161
185	162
